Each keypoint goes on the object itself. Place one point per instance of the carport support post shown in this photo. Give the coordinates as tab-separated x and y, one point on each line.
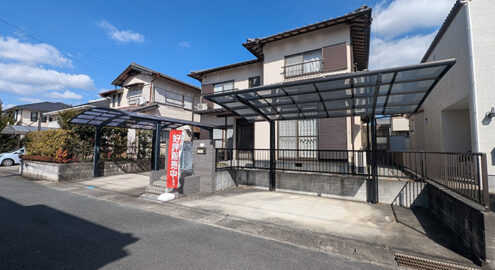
96	154
272	156
155	151
374	164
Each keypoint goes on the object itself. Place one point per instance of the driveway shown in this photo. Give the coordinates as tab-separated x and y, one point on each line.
45	228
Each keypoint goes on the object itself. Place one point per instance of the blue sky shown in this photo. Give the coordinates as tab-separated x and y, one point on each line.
70	51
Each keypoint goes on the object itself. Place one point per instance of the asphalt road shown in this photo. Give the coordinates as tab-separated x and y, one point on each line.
44	228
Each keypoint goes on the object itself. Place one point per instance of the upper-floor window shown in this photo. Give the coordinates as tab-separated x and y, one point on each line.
119	99
254	81
303	63
175	99
34	116
221	87
16	114
114	100
135	91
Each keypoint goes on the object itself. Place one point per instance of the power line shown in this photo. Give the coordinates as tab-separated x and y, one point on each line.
66	49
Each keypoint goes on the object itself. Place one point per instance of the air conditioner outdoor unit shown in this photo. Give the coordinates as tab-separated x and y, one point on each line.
202	106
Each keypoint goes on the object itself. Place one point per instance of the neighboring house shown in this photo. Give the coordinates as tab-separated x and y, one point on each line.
456	116
103	102
35	115
339	45
147	91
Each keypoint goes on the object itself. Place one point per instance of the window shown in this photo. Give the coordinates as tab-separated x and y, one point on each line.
221	87
298	135
135	91
16	114
173	98
43	118
119	99
114	99
222	138
50	119
34	116
303	63
254	81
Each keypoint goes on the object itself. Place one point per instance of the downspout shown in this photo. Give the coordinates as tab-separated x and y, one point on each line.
472	75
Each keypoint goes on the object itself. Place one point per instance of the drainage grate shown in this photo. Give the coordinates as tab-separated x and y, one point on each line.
427	264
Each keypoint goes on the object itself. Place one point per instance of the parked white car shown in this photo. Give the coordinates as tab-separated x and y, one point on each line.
11	158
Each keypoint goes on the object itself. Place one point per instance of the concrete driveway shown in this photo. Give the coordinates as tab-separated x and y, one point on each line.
133	184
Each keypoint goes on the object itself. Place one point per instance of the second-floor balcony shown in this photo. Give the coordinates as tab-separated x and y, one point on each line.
303	69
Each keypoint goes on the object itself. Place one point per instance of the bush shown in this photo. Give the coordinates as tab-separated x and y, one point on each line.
49	143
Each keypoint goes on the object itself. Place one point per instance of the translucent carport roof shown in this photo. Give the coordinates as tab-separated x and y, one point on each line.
108	117
20	130
386	92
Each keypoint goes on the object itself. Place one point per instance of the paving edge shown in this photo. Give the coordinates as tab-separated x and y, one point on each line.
336	245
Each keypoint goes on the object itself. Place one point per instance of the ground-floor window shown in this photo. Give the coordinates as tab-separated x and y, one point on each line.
298	135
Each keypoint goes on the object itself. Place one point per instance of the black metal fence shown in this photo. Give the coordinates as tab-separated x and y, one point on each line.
464	173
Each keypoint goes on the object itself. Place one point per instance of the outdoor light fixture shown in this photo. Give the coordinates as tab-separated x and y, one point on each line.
491	113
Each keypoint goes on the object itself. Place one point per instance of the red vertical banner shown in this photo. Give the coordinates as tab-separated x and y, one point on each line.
173	162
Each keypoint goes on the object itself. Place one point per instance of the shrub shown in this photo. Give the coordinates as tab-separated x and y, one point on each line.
48	143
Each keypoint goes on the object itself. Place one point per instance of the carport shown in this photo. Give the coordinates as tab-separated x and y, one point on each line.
370	94
101	117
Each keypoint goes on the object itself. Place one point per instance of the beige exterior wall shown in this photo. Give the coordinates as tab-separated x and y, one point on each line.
274	62
24	119
400	124
276	52
240	75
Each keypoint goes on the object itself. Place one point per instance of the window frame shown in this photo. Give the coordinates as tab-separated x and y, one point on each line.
216	106
302	63
254	77
35	116
297	137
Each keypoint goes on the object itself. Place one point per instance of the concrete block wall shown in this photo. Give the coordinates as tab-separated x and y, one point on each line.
468	220
204	165
76	171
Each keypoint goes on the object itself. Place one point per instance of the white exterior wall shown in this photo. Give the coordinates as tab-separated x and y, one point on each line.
483	43
400	124
453	88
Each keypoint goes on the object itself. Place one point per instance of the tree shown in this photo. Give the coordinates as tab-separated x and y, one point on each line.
8	142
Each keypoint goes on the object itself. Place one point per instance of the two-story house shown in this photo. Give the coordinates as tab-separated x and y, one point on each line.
34	115
143	90
338	45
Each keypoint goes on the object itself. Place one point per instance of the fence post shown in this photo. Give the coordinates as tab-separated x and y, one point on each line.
484	183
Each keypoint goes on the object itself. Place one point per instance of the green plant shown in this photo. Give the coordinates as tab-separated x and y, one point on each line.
8	142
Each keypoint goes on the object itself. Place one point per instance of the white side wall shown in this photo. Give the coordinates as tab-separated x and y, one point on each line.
240	75
452	88
483	37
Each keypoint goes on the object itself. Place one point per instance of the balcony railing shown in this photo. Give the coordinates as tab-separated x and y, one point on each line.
464	173
303	69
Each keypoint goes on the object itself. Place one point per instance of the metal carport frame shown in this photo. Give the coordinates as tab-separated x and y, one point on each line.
101	117
384	92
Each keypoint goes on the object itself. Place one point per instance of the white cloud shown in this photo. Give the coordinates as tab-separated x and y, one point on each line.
184	44
404	16
122	36
398	30
404	51
30	100
65	95
13	49
26	80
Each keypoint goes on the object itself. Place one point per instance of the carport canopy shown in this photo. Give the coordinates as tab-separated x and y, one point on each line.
383	92
108	117
101	117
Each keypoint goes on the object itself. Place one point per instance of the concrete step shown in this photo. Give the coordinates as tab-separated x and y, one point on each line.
155	190
160	183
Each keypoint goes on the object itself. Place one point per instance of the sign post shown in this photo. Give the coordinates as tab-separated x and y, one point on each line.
175	146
